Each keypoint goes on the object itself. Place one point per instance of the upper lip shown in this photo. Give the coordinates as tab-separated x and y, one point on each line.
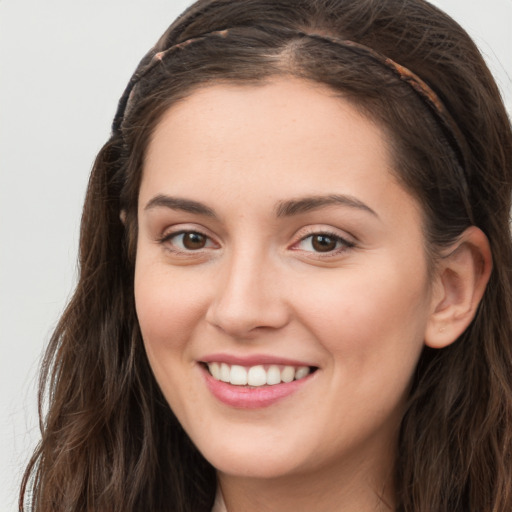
253	360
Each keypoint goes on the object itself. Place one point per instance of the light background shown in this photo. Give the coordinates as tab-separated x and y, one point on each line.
63	66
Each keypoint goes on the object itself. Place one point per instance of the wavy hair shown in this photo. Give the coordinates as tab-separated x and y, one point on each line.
109	441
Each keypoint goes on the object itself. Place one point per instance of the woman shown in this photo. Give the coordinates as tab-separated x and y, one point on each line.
294	289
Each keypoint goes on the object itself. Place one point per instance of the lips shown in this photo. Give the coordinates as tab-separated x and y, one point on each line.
254	382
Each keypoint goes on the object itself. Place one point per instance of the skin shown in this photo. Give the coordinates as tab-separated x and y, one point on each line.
358	313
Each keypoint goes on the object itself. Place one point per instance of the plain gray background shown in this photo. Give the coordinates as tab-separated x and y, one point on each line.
63	66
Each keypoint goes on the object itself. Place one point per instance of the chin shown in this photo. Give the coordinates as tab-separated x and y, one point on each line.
252	460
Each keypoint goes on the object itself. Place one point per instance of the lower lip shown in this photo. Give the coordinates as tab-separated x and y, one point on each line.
243	397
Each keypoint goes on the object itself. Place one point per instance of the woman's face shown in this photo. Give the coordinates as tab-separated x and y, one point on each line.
276	247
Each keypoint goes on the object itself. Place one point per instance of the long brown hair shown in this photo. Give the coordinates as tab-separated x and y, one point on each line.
109	440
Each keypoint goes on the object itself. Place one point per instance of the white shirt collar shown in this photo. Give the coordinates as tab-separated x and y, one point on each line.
219	505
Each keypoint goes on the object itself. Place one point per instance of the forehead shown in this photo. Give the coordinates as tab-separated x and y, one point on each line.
286	137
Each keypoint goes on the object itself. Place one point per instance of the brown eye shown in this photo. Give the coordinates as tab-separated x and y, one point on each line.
324	243
186	242
193	241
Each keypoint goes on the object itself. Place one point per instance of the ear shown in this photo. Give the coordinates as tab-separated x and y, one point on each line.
461	277
122	216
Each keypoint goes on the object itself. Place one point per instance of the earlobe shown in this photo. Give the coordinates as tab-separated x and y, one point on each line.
122	216
461	278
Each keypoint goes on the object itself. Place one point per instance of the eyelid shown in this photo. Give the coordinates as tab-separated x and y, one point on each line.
184	227
324	229
180	229
348	241
176	234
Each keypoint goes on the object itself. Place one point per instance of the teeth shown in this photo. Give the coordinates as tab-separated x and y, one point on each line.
256	376
215	370
238	375
273	375
287	373
301	372
224	372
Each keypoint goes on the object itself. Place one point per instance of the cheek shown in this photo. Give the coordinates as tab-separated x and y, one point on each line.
369	317
168	314
168	308
372	330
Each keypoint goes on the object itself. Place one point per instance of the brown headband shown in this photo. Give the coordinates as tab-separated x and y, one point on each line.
425	92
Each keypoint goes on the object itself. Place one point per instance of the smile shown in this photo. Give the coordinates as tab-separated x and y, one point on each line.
256	376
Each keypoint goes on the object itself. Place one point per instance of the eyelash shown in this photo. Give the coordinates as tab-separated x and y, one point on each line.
166	239
341	244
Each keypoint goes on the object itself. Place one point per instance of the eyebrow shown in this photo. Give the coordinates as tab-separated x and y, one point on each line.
178	203
282	209
306	204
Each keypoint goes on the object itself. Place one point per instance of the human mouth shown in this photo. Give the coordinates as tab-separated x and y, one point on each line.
258	375
255	382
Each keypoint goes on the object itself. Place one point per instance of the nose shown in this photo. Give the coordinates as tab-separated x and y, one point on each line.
249	297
